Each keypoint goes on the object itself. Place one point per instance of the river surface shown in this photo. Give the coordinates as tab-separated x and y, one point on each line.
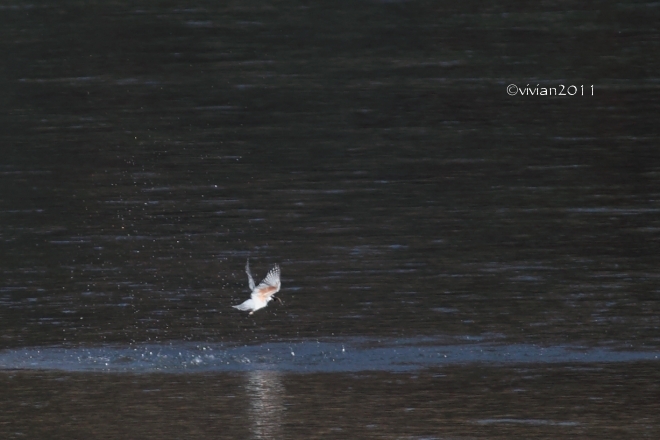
457	262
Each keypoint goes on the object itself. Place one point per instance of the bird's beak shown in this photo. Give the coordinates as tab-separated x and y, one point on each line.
278	299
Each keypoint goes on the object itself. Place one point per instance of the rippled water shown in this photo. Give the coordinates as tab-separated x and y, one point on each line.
303	356
148	149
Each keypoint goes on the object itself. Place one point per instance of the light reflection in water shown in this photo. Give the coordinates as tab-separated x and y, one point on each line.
265	391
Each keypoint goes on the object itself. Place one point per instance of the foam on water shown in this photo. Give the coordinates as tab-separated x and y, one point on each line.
344	355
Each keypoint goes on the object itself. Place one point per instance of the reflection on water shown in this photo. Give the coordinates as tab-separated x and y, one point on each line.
265	392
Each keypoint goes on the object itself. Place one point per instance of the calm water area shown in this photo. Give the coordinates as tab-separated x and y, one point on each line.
457	261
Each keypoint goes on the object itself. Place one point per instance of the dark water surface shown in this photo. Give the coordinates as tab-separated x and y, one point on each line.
370	148
600	401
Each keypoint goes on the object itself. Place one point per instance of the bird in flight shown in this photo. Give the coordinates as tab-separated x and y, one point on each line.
264	292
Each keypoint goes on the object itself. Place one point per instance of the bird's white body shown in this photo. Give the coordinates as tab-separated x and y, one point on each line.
264	292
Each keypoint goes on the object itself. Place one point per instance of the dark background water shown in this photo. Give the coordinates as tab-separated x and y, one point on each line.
369	148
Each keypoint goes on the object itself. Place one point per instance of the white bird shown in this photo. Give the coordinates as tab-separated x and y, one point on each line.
264	292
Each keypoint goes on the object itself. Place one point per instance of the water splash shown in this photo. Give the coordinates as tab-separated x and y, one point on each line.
346	355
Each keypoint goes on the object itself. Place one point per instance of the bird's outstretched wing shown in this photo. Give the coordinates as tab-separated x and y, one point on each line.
269	286
249	274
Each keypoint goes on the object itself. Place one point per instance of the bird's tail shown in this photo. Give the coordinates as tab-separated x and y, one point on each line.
247	305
